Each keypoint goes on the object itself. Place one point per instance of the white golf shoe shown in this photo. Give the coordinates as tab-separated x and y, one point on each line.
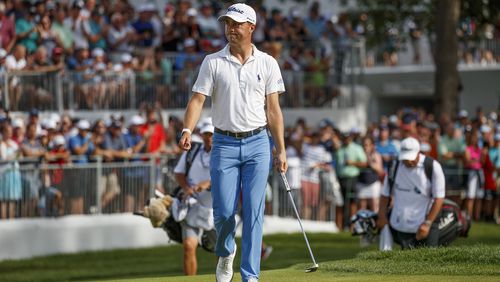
253	279
224	271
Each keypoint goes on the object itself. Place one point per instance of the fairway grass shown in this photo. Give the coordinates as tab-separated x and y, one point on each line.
476	258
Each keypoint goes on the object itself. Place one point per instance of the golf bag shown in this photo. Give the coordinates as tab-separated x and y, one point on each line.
172	227
452	221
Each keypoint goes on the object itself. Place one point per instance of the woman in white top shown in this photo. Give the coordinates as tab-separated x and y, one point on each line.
10	177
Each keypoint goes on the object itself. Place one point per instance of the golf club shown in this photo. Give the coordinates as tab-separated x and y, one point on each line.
315	266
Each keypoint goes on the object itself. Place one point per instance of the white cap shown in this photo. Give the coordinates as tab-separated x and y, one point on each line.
493	116
425	147
97	52
17	122
189	42
241	13
463	114
83	124
59	140
50	124
145	7
485	128
409	149
207	128
497	137
137	120
393	119
55	117
191	12
126	58
117	67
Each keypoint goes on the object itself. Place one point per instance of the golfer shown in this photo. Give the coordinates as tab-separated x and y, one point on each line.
244	84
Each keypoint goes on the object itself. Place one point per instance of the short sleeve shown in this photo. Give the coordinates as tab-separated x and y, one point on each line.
274	81
181	164
205	82
438	182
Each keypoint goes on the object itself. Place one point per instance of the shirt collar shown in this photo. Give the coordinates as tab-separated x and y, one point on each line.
226	54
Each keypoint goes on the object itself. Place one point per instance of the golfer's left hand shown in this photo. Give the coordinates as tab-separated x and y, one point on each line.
423	231
280	161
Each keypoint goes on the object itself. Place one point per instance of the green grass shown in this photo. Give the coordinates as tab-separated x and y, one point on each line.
339	255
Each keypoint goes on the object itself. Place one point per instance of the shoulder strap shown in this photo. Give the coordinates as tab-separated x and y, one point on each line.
191	154
392	175
428	167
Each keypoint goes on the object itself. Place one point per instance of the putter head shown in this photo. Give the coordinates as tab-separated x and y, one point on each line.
312	268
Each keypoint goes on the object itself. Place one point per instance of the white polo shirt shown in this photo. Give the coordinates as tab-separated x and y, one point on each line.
200	171
239	91
412	195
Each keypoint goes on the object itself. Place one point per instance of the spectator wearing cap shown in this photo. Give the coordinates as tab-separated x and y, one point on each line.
209	26
120	37
77	22
46	36
63	32
83	147
26	34
189	58
7	30
409	125
10	178
315	160
58	58
144	27
134	194
60	155
451	151
462	120
486	135
114	149
15	62
33	150
81	144
154	134
195	182
349	157
97	30
19	130
315	23
385	147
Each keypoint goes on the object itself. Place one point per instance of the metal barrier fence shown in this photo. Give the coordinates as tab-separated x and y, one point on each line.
30	188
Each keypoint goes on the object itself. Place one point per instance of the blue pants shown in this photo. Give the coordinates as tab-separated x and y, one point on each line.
240	166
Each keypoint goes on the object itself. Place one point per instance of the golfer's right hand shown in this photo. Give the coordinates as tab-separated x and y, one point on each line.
185	142
382	221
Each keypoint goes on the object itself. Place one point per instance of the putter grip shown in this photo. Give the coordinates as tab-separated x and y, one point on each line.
285	181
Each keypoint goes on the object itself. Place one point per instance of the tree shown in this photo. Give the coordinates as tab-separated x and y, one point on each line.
446	58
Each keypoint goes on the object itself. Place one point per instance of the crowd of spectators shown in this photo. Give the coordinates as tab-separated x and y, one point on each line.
320	157
34	151
101	43
328	167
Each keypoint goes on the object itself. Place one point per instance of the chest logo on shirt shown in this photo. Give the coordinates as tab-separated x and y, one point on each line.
258	78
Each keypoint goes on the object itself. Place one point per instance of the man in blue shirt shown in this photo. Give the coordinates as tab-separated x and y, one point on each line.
385	147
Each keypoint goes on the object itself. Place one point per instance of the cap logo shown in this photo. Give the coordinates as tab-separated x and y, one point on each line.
234	9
